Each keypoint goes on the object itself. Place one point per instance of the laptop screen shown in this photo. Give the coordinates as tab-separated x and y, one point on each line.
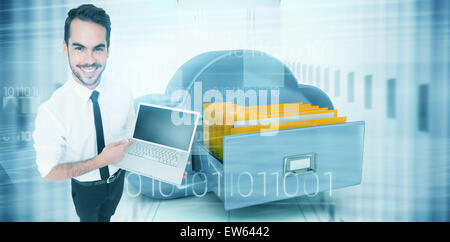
165	127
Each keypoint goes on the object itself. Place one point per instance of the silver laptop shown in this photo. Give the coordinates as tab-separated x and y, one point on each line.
163	139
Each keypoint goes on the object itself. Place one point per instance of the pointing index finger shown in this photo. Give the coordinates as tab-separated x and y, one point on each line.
128	143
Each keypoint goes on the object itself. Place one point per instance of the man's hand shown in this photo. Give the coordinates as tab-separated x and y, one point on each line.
185	173
114	152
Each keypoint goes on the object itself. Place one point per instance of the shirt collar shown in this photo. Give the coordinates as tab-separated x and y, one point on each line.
83	92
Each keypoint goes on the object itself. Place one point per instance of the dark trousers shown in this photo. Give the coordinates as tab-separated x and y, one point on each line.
97	203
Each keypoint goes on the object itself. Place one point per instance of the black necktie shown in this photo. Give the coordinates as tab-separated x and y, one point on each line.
104	172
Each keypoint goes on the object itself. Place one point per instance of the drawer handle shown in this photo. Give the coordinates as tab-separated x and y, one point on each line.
300	164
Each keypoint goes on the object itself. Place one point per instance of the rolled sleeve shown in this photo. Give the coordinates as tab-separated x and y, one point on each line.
48	141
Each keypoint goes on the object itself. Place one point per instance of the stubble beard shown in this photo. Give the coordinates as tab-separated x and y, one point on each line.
95	83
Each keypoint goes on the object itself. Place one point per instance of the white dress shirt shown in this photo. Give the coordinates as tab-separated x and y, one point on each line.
65	128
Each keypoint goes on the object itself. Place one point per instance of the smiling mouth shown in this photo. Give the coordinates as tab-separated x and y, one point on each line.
89	69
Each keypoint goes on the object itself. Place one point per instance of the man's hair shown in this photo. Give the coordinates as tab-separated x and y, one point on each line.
88	12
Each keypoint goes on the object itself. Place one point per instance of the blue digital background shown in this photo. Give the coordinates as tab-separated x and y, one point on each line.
384	62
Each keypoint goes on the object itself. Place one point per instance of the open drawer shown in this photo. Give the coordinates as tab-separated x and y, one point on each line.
307	161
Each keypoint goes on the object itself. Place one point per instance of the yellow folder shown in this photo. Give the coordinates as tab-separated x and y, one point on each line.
288	125
219	120
217	117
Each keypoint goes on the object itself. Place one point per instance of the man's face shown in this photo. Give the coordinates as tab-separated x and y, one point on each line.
87	51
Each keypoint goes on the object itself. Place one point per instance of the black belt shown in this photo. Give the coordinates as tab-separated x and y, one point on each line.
110	179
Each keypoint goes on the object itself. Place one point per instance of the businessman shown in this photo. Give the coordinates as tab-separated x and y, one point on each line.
82	130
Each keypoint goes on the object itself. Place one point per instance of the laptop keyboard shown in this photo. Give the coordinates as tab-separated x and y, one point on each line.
153	152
